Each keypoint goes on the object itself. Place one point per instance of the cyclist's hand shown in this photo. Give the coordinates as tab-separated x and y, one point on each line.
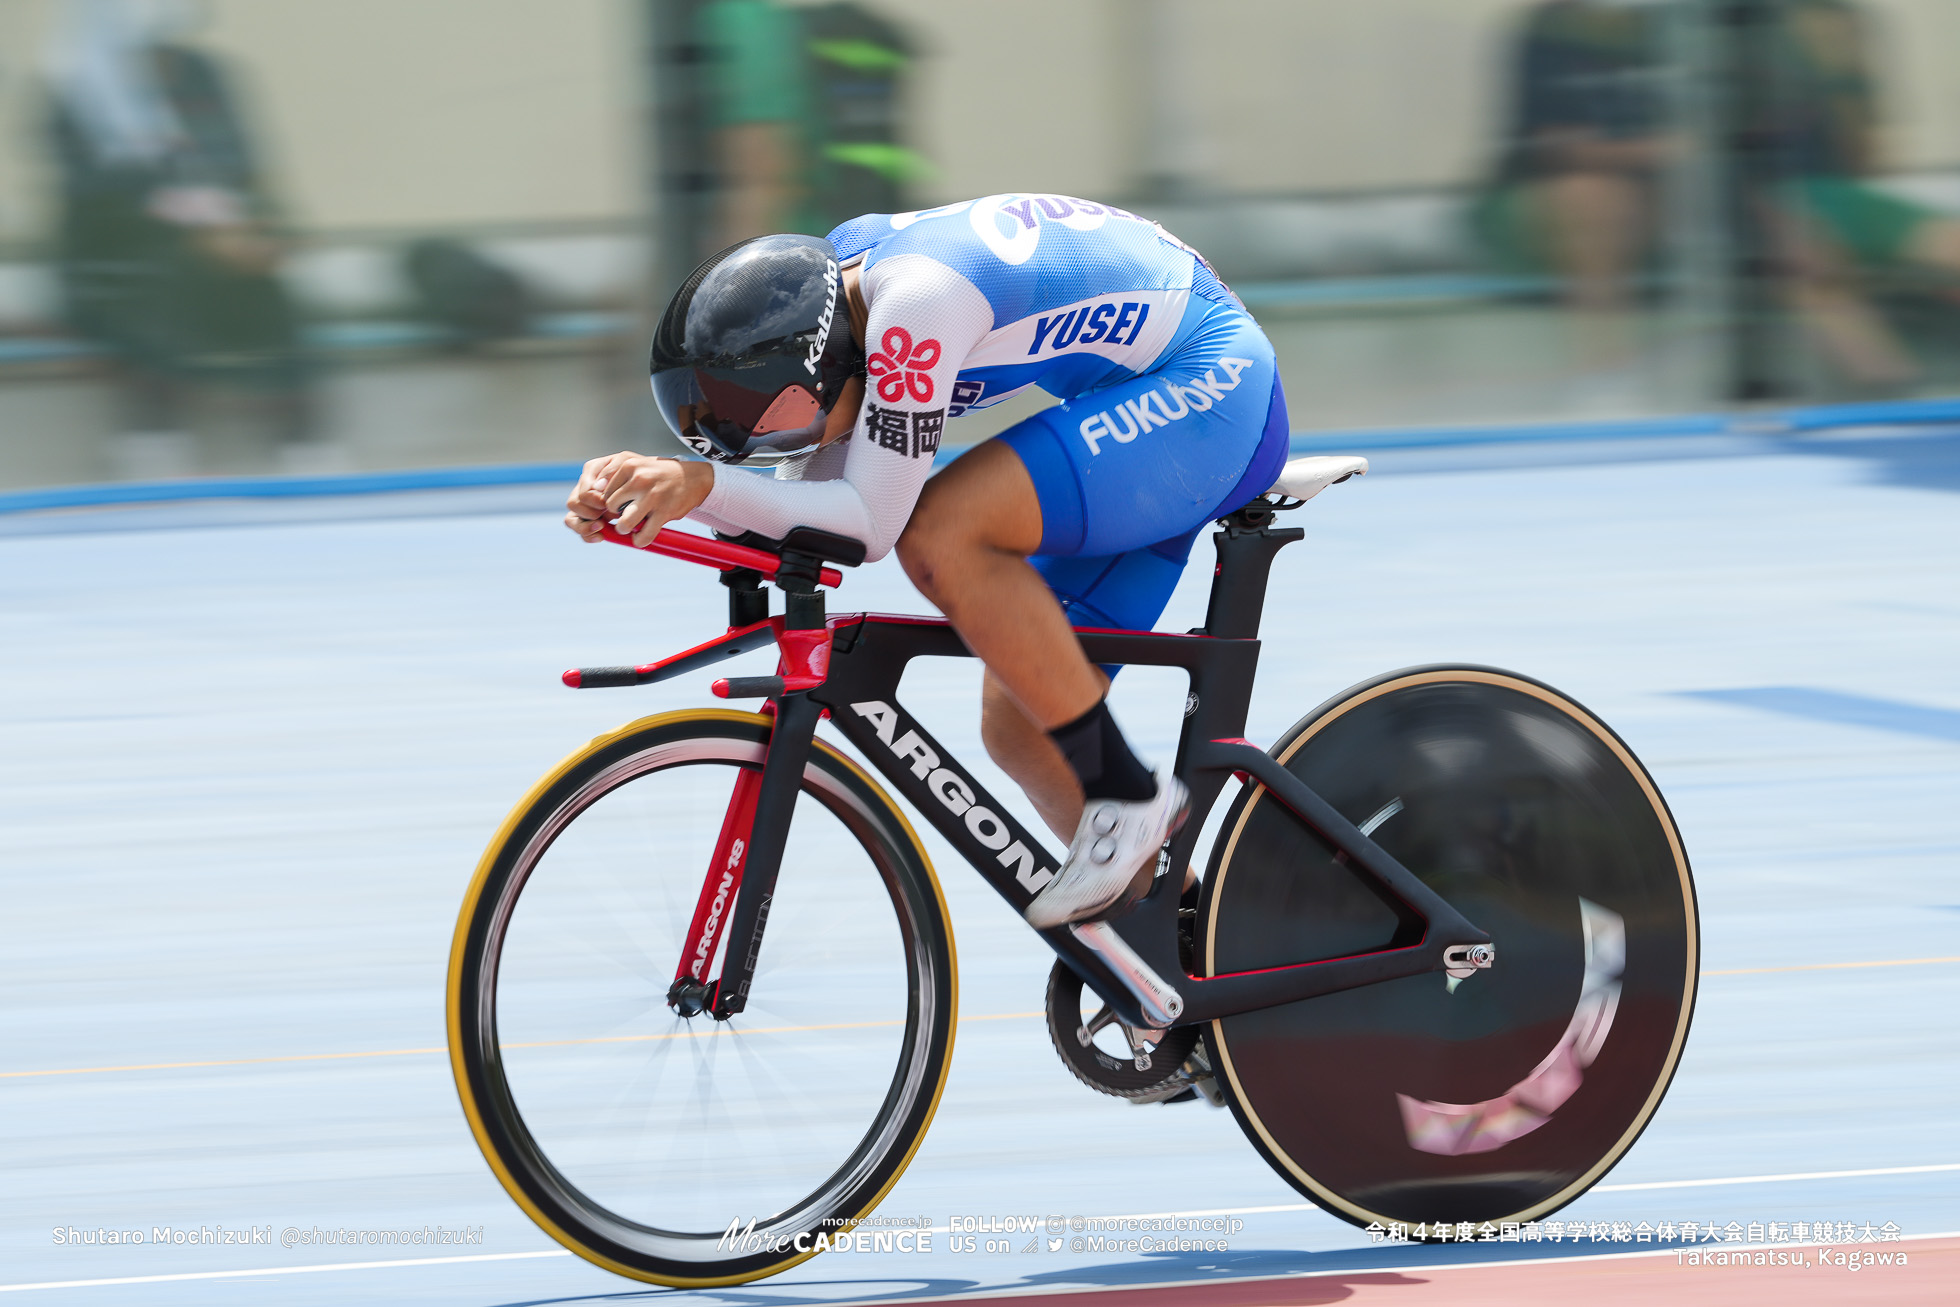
585	508
643	493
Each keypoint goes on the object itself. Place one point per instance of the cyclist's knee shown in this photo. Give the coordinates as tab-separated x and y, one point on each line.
934	540
924	554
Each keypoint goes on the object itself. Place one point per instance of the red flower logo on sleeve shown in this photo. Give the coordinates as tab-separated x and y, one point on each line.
903	367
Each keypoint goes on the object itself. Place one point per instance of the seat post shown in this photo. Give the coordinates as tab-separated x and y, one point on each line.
1247	545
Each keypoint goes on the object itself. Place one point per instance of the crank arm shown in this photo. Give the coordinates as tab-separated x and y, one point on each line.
1160	1003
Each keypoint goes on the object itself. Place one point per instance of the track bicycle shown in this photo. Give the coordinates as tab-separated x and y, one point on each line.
702	992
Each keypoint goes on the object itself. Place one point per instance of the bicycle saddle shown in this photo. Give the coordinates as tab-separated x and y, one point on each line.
1303	478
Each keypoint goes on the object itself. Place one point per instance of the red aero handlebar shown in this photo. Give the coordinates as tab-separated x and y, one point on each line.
720	554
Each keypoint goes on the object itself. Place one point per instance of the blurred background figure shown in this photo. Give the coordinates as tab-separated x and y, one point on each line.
1577	190
1444	212
1847	247
805	116
168	246
475	299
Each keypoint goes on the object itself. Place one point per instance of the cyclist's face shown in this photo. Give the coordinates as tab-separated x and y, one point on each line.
844	416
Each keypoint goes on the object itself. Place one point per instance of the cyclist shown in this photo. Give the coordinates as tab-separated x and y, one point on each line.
844	358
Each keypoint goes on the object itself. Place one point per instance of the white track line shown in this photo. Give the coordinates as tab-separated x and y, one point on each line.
283	1270
1772	1179
1596	1189
1134	1216
1088	1292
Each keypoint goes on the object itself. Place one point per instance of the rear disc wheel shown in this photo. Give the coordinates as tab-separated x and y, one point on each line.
1503	1096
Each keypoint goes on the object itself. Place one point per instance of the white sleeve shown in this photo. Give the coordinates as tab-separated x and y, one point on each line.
924	321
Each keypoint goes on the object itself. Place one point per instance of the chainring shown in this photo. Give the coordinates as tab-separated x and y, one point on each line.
1105	1072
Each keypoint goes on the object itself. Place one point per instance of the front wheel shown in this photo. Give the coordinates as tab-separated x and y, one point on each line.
696	1152
1503	1096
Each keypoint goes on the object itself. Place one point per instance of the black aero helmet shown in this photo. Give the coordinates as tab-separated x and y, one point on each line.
754	350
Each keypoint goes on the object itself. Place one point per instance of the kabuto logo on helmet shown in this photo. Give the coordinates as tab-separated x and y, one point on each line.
825	318
749	356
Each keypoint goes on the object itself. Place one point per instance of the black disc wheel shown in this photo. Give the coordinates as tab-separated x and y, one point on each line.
1504	1095
648	1137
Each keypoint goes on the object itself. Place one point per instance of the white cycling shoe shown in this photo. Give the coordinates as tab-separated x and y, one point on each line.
1114	841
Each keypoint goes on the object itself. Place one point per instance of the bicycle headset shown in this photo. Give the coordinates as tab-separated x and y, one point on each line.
754	349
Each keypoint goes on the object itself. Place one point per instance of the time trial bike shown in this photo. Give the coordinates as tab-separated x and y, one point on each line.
702	995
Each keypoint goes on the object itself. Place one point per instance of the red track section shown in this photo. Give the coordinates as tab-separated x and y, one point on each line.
1930	1278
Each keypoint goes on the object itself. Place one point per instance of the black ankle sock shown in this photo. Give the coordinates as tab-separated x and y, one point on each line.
1101	758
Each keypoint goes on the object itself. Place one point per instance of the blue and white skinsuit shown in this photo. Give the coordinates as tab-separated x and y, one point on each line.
1171	411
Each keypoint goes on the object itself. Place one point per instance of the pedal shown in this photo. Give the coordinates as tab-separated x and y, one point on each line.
1204	1078
1161	1004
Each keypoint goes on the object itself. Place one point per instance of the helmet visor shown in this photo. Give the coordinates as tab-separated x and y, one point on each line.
760	408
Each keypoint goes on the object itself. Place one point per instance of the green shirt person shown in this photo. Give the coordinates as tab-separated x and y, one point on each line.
804	109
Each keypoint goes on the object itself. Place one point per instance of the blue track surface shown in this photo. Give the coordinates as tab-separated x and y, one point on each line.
251	757
1607	438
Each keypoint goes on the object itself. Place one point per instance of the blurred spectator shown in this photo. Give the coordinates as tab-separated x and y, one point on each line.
1577	182
858	62
1836	233
471	296
168	250
805	116
759	92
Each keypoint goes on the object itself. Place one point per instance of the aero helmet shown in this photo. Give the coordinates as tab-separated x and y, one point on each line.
754	350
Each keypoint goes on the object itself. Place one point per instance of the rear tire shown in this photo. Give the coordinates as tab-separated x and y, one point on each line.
1505	1096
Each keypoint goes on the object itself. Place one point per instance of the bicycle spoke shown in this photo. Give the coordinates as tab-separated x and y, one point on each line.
650	1133
791	1098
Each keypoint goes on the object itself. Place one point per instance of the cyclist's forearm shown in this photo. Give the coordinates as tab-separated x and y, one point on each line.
748	501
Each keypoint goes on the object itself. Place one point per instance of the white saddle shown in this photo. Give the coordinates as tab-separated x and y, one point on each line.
1303	478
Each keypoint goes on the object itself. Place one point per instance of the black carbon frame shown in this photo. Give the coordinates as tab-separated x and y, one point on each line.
868	659
869	655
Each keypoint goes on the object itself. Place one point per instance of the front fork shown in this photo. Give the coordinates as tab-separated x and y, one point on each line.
717	966
718	955
703	952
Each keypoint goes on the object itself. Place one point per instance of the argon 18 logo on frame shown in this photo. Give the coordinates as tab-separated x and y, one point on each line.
954	791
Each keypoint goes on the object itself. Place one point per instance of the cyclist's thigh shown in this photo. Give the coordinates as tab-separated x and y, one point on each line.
1150	459
1125	592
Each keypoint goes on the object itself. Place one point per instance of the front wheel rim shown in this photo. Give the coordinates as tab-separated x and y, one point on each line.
494	1098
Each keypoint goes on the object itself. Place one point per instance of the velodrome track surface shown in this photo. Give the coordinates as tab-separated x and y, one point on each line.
253	751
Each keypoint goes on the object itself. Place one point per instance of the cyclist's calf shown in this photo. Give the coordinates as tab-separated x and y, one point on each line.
1019	747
